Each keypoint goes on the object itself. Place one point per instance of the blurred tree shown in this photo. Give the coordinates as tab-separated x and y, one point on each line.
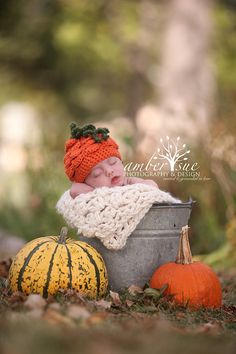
184	79
89	55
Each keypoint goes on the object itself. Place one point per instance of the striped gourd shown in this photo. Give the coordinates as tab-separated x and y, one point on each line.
49	263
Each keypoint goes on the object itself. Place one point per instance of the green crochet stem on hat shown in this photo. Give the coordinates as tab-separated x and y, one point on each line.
89	130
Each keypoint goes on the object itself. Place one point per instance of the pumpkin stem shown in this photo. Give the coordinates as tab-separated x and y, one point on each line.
89	130
63	234
184	255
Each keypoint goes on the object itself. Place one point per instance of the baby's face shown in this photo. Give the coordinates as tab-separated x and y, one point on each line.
107	173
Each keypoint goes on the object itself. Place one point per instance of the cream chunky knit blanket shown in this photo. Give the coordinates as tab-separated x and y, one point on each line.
111	214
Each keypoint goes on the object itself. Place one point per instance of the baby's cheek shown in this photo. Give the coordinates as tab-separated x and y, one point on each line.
105	181
101	181
119	169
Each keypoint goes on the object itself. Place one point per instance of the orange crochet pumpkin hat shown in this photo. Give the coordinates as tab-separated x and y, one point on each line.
87	147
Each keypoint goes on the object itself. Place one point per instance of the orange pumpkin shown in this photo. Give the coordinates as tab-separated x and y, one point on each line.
191	283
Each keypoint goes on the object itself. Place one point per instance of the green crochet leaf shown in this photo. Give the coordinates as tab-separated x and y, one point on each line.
89	130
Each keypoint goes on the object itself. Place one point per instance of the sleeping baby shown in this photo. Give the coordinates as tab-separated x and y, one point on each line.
93	160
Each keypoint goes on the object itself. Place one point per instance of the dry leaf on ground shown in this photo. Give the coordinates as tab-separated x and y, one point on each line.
4	267
97	318
77	312
16	298
54	317
134	289
35	313
213	328
103	304
54	306
129	303
35	301
115	298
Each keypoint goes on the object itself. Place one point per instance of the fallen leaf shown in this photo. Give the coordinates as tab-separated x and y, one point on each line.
54	317
213	328
35	313
129	303
97	318
54	306
155	293
4	267
180	315
51	299
231	310
4	285
72	295
148	309
103	304
138	315
134	289
163	323
163	288
35	301
115	298
14	317
77	312
17	298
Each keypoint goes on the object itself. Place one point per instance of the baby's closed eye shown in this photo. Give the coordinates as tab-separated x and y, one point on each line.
97	173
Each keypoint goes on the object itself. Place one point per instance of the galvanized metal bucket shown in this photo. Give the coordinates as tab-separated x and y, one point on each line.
153	242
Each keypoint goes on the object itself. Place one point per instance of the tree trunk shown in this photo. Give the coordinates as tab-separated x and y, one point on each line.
184	79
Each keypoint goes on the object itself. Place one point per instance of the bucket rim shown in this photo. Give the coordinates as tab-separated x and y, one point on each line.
188	204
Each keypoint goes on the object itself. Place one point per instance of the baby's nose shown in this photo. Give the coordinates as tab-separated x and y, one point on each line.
109	172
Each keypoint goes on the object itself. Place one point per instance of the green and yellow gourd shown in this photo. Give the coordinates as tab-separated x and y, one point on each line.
50	263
